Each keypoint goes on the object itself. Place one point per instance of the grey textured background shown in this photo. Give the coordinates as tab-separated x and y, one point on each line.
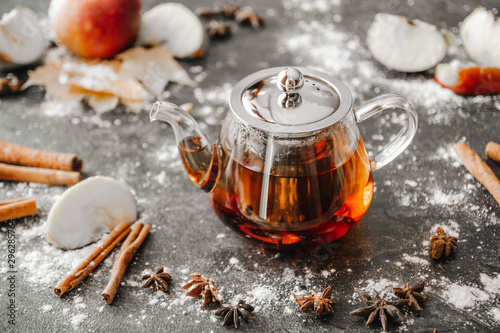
185	237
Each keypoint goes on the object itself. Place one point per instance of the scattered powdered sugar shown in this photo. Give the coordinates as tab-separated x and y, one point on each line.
47	308
261	295
213	104
288	274
473	299
495	313
154	301
492	285
416	260
178	301
161	178
383	286
234	261
326	273
218	95
411	183
451	228
75	109
312	5
464	296
53	108
44	272
441	198
446	153
77	319
32	232
167	153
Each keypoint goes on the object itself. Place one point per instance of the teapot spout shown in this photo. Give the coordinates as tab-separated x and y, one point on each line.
200	158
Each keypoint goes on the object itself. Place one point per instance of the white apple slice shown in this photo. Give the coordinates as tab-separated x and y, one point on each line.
87	210
21	38
447	73
175	27
406	45
480	32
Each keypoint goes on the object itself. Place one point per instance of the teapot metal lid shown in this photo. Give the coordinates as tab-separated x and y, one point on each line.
290	100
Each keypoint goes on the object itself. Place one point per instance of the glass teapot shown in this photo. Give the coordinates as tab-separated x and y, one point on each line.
290	168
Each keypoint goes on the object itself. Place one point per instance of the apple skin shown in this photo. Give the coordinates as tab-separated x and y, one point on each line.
475	81
97	28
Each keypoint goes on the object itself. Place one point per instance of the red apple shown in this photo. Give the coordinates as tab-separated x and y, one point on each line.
96	28
468	80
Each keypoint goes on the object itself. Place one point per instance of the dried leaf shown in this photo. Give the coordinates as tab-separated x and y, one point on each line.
103	103
48	76
97	82
102	78
154	67
135	107
106	83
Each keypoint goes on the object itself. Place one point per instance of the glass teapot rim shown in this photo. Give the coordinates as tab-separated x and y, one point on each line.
241	113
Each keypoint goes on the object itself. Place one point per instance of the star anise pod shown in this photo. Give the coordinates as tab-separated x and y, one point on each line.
158	280
229	10
226	10
246	15
232	314
320	305
218	29
209	13
441	243
379	308
10	84
200	286
413	295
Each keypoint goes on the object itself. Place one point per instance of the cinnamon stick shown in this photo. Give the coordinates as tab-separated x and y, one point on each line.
16	154
38	175
127	252
480	170
13	209
493	151
90	263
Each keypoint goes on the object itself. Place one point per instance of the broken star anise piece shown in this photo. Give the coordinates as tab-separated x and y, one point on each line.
379	308
158	280
320	305
412	294
218	29
246	15
232	314
200	286
442	244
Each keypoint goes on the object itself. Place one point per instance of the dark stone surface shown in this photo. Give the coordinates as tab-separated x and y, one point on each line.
184	238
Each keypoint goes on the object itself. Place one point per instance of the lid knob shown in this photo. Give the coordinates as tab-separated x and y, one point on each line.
290	80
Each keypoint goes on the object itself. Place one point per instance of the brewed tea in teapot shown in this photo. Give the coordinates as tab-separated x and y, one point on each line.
290	168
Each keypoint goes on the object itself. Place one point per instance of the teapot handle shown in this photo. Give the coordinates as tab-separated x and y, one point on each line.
403	138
